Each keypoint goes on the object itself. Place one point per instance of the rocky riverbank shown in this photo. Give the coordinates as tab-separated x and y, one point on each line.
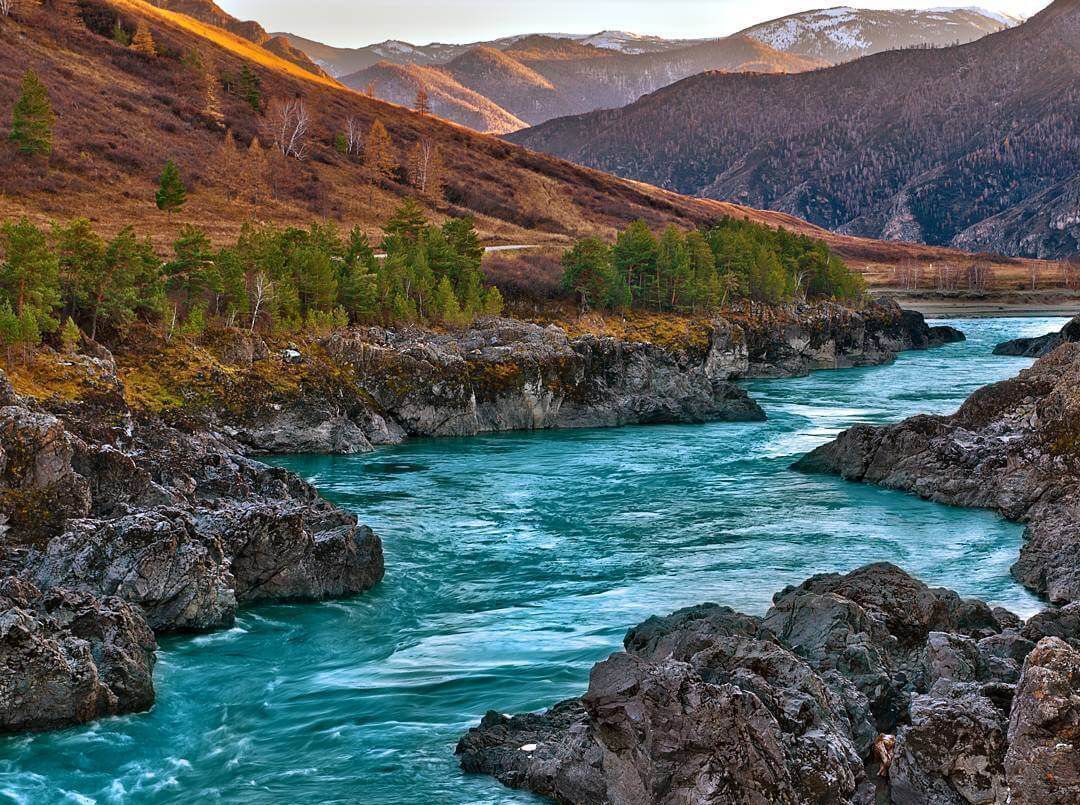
117	526
863	688
130	508
361	388
1013	447
1041	345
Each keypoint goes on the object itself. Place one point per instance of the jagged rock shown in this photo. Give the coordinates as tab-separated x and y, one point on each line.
155	559
176	527
1013	447
1043	760
1061	622
554	754
67	658
708	705
952	751
834	337
1040	345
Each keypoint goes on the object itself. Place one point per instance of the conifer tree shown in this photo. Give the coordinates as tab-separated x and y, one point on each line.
249	87
422	104
379	159
493	301
408	222
634	257
171	194
33	118
29	277
143	41
447	309
70	335
120	35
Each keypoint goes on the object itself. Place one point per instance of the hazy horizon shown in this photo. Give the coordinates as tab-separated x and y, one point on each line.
347	24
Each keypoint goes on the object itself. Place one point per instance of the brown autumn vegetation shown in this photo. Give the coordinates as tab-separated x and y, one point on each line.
122	114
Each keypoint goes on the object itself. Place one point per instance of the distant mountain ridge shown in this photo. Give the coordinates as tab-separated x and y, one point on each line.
538	78
975	146
571	74
843	33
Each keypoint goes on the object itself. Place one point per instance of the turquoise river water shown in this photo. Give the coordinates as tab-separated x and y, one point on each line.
514	563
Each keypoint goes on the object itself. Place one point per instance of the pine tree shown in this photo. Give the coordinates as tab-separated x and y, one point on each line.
493	302
29	275
249	87
634	257
171	194
70	335
120	35
143	41
33	118
407	223
379	158
422	104
447	309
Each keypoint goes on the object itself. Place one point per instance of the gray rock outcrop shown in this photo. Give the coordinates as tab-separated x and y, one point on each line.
1041	345
68	658
1013	447
127	527
709	705
1043	760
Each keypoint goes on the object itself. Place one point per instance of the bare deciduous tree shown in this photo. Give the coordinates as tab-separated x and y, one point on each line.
288	126
354	136
6	7
261	294
425	169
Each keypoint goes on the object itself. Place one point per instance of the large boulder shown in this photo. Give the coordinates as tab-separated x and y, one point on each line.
67	657
1043	760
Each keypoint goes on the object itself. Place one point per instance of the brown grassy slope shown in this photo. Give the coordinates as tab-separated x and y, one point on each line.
209	12
121	115
449	99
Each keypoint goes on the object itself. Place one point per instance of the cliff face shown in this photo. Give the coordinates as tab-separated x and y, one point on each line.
1013	447
851	689
502	374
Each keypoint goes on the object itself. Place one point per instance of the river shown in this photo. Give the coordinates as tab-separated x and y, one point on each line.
514	563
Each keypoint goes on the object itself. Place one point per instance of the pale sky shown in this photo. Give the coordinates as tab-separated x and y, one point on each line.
354	23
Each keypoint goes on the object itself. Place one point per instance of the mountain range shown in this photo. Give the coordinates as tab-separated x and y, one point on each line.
503	85
975	146
121	114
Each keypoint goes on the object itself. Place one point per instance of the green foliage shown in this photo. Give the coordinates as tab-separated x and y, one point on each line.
493	302
70	335
698	271
249	87
33	118
341	143
171	194
286	280
120	34
29	276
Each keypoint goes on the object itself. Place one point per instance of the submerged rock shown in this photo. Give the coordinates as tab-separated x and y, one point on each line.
709	705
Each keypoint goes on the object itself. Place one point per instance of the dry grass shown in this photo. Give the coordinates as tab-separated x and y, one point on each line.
121	115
